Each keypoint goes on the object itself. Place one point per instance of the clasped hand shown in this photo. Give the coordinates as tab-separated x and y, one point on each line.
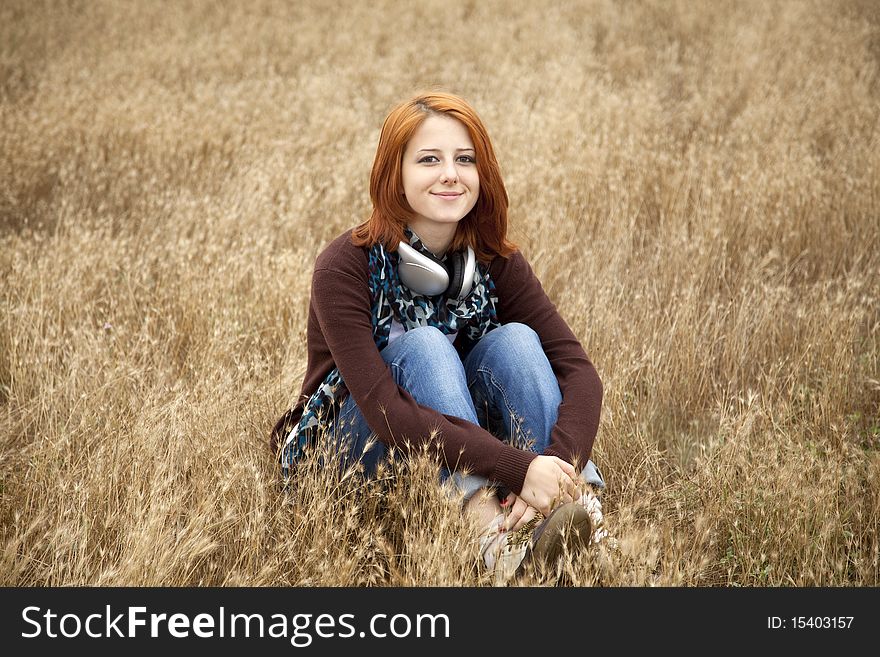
549	482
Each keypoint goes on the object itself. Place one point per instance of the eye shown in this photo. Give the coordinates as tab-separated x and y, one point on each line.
468	158
428	157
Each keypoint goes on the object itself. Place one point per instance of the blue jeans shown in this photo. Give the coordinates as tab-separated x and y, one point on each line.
505	384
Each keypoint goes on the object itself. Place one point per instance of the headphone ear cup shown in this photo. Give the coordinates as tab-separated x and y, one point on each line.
469	269
421	272
456	270
455	267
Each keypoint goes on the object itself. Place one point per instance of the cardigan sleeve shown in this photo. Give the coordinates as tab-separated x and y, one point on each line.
522	299
342	306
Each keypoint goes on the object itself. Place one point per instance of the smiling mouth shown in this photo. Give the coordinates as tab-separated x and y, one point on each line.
448	195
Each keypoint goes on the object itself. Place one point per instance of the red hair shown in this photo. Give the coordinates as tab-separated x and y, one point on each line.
484	228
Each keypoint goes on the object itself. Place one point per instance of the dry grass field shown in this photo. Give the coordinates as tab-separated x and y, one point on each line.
697	184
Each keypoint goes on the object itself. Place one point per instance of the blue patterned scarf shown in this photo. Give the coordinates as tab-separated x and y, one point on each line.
475	315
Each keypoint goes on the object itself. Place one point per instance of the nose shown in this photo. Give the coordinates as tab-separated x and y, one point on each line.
450	173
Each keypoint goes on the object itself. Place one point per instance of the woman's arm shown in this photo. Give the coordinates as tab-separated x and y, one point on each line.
522	299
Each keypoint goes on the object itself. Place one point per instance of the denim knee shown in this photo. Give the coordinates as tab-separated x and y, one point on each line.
425	364
417	347
423	341
510	336
515	349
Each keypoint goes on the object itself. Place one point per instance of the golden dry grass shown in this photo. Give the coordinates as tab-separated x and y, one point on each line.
696	184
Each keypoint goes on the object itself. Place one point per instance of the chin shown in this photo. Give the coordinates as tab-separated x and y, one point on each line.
448	219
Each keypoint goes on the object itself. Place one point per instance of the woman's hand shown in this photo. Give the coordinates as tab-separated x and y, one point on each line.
549	481
519	512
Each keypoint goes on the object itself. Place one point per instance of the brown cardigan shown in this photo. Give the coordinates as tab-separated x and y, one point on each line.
340	335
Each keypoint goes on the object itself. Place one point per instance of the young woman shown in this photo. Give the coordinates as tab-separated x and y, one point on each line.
426	325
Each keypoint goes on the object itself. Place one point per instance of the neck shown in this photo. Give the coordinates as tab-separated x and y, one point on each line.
436	238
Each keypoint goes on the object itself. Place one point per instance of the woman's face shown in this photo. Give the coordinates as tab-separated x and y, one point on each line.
439	172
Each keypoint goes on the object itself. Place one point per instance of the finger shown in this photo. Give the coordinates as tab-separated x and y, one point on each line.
569	485
526	517
522	508
571	488
566	488
512	521
567	467
515	514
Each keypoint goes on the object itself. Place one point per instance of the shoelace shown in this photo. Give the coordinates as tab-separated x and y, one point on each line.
594	507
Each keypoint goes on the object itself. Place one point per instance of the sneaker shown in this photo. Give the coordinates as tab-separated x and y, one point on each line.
568	527
507	554
512	550
502	555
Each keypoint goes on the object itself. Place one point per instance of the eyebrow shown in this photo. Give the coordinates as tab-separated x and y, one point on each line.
437	150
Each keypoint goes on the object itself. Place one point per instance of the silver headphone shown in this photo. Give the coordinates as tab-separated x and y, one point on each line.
424	274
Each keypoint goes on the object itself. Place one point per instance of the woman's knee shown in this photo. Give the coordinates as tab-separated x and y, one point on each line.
515	343
422	344
516	335
425	353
